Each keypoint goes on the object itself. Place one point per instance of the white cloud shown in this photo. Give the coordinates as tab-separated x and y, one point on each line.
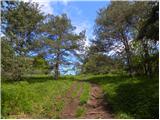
45	5
85	25
65	2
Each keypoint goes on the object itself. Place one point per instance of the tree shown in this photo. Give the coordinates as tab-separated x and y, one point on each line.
40	65
20	23
121	24
113	29
149	26
96	62
148	34
60	41
12	67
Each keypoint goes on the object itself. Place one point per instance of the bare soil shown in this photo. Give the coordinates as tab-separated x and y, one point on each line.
97	107
71	103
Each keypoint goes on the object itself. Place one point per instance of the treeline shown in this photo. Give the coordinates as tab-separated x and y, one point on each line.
34	41
126	39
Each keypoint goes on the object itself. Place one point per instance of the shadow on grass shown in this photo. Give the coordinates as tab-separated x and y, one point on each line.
138	100
130	97
100	80
33	79
39	78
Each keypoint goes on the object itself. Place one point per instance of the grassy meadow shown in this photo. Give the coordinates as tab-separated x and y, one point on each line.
42	97
37	97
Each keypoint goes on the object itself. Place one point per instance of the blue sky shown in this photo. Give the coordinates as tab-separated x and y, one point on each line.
81	13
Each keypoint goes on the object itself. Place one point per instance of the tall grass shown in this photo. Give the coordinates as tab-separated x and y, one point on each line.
33	99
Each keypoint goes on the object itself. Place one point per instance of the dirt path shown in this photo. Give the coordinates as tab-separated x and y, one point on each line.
96	107
71	103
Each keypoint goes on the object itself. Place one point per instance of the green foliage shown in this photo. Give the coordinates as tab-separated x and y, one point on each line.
40	65
7	56
21	24
120	24
100	64
13	67
114	30
139	59
149	25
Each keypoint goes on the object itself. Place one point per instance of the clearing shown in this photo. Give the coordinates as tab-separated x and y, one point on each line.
91	96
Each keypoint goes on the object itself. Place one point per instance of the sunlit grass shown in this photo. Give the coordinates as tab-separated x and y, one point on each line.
37	99
85	94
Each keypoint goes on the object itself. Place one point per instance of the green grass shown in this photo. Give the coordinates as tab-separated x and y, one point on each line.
37	97
75	92
80	112
42	97
85	94
129	97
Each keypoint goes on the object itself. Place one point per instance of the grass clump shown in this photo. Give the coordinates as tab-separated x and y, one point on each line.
80	111
85	94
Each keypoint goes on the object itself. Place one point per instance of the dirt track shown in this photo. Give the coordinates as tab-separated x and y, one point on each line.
96	107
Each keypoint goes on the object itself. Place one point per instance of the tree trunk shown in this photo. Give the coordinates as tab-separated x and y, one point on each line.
56	75
129	61
148	70
128	54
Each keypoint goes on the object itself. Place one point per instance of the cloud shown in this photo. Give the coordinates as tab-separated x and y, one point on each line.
84	25
72	11
46	6
65	2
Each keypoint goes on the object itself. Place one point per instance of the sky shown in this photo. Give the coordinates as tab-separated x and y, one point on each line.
81	13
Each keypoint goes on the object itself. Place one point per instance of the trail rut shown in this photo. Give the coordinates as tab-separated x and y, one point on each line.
97	107
71	103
